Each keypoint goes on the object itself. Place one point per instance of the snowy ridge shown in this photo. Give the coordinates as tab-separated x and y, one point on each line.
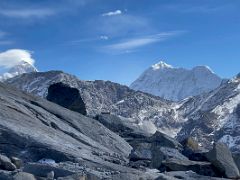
21	68
176	84
214	116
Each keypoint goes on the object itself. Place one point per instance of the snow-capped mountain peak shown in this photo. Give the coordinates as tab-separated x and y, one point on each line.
21	68
176	84
161	65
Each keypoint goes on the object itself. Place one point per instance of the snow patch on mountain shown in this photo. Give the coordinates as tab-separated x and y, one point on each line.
214	116
21	68
176	84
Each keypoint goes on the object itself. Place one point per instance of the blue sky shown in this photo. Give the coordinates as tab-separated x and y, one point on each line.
118	39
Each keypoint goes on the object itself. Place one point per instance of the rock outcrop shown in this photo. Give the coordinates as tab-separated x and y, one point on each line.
67	97
6	164
221	158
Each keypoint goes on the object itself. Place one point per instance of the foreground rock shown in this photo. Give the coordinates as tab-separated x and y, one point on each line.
188	175
202	168
6	164
24	176
162	139
221	158
161	154
236	157
33	129
124	127
10	175
152	151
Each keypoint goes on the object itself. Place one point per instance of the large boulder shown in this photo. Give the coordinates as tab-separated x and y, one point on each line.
202	168
17	162
155	149
124	127
80	176
42	170
221	157
160	154
15	175
236	157
141	151
189	175
23	176
6	164
67	97
164	140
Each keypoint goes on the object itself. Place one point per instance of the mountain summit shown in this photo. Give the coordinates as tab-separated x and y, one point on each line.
161	65
176	84
21	68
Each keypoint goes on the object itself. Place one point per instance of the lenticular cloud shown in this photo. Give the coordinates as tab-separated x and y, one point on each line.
13	57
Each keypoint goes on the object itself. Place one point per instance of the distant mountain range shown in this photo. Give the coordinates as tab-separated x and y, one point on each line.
208	117
101	126
176	84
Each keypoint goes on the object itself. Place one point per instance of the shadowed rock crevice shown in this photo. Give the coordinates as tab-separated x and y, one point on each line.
67	97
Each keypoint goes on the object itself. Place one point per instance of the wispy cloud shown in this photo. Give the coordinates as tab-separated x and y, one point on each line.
28	13
199	8
113	13
6	42
3	40
42	9
85	40
2	34
116	26
134	43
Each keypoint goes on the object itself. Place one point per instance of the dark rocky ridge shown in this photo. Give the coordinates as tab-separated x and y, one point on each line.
208	118
105	96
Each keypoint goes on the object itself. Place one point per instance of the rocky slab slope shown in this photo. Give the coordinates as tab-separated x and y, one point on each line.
34	129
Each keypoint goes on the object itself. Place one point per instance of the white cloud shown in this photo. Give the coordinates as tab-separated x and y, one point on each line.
142	41
13	57
113	13
28	13
104	37
117	26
